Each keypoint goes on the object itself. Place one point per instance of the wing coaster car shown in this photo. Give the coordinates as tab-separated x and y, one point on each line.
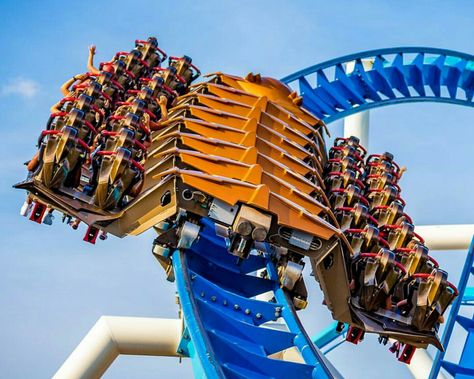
396	289
244	153
91	154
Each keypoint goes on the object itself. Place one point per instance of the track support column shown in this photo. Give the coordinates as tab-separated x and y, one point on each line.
357	124
112	336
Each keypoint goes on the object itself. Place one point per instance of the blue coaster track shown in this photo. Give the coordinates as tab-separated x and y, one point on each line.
395	75
465	367
229	331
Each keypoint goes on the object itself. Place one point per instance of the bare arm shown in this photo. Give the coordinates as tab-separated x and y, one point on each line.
164	111
90	60
164	114
121	110
65	88
146	119
56	107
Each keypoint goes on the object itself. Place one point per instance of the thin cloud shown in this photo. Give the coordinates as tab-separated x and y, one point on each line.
21	86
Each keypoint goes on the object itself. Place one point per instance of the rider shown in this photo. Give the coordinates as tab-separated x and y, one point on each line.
68	90
145	96
184	68
171	79
152	54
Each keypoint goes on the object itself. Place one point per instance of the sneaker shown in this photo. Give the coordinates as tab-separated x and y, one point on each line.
48	219
75	224
26	209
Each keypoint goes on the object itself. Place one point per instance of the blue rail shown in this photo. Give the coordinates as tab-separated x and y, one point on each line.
228	330
395	75
329	334
468	298
465	368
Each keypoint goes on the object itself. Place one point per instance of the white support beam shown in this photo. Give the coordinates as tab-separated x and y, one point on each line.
421	364
112	336
446	237
357	125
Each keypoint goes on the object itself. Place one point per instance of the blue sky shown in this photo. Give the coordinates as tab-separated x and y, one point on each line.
54	286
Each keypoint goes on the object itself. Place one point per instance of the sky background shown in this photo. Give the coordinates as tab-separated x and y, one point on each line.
54	286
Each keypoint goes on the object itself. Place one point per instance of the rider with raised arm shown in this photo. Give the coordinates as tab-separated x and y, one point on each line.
90	60
67	91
